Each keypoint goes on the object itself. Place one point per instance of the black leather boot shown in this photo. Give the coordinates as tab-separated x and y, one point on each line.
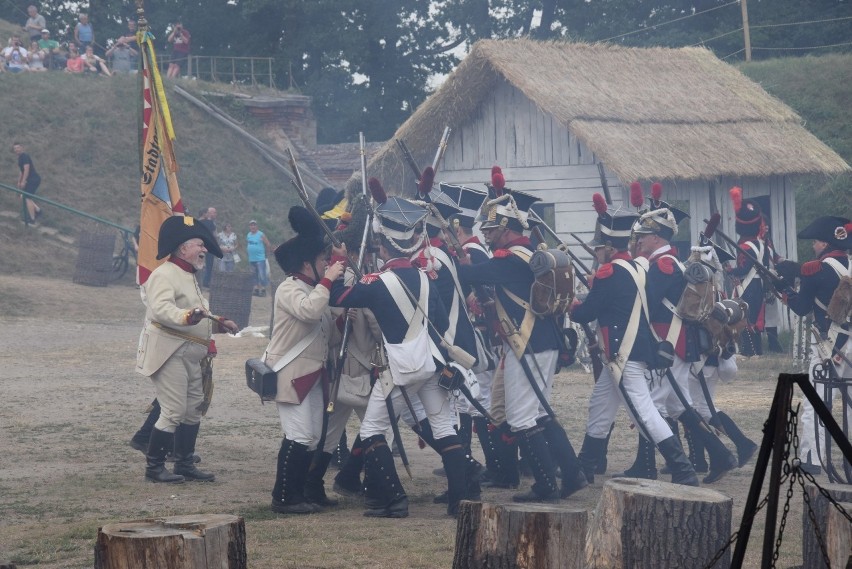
347	482
745	446
185	436
721	459
591	453
288	495
675	427
341	452
696	450
159	443
562	453
455	464
534	448
678	463
772	340
465	429
383	492
645	464
143	435
492	460
602	462
505	444
314	486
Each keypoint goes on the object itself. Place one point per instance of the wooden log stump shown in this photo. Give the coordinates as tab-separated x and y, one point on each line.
811	552
649	523
839	536
520	536
177	542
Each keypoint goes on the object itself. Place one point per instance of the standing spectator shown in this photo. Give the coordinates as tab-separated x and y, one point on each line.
257	246
16	56
123	57
54	59
37	57
228	243
208	219
179	38
84	34
35	24
74	61
94	64
28	181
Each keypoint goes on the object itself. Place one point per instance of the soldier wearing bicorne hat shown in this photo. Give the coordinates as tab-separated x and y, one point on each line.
174	342
830	343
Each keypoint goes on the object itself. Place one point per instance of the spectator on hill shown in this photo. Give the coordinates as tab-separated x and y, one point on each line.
257	247
228	243
55	58
28	181
37	57
16	56
94	64
123	57
74	61
35	24
84	34
130	40
179	38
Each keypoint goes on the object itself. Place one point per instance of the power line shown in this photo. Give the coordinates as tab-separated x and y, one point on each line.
732	54
807	47
802	23
654	26
717	37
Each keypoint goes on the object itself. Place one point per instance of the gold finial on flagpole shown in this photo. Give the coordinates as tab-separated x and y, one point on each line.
141	21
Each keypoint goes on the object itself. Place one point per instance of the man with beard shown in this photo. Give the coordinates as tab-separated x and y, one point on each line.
175	340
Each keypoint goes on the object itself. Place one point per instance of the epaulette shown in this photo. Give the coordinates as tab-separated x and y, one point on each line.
811	268
369	278
604	271
502	253
666	265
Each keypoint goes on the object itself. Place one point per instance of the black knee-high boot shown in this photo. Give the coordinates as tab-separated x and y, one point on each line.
696	450
645	464
185	437
384	495
534	447
492	460
143	435
591	453
721	459
314	485
563	454
454	458
679	465
288	493
159	443
348	481
506	446
465	429
745	446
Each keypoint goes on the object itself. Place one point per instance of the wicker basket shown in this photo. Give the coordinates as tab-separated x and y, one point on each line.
230	295
94	261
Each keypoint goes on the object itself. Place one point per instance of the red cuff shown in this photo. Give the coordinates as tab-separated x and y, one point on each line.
325	282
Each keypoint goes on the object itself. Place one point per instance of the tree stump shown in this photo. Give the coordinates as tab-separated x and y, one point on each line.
839	537
811	552
649	523
519	536
177	542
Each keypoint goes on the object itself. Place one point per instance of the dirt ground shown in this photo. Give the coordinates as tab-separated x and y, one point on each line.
71	401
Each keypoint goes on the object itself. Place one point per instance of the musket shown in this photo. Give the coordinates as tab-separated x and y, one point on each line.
409	159
604	183
442	149
583	244
397	437
774	281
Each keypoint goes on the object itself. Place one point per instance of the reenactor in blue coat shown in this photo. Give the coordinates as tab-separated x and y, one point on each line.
750	227
665	285
629	346
530	349
819	280
416	356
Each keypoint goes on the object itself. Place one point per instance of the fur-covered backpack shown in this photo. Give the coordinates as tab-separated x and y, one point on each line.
552	292
697	300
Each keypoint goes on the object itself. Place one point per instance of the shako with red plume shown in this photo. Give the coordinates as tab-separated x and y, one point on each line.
637	196
424	185
377	191
748	218
613	228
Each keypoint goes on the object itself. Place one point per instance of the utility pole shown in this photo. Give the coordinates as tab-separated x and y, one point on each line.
746	37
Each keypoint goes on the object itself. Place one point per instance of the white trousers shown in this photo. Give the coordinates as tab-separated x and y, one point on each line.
433	398
809	435
725	372
522	405
302	422
632	391
663	394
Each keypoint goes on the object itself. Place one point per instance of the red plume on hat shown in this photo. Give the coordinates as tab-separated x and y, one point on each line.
377	191
636	197
736	194
656	191
427	178
497	178
600	204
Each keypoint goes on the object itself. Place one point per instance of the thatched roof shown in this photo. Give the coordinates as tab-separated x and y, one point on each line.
647	113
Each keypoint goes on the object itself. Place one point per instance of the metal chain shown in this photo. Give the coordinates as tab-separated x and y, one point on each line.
790	442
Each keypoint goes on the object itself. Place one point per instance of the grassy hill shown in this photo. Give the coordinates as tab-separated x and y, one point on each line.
82	135
818	89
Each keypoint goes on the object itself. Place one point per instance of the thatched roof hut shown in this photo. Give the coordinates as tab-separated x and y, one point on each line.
550	113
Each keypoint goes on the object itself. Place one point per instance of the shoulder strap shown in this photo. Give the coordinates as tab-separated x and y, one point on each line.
752	274
409	309
632	330
297	350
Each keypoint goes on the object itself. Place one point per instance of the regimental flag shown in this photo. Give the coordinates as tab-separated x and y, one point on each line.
157	165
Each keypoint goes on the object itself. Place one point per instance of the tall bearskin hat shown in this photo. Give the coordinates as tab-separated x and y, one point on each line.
180	228
749	220
305	246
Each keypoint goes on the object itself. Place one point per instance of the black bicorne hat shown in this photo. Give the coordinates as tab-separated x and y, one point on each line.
305	246
836	231
181	228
